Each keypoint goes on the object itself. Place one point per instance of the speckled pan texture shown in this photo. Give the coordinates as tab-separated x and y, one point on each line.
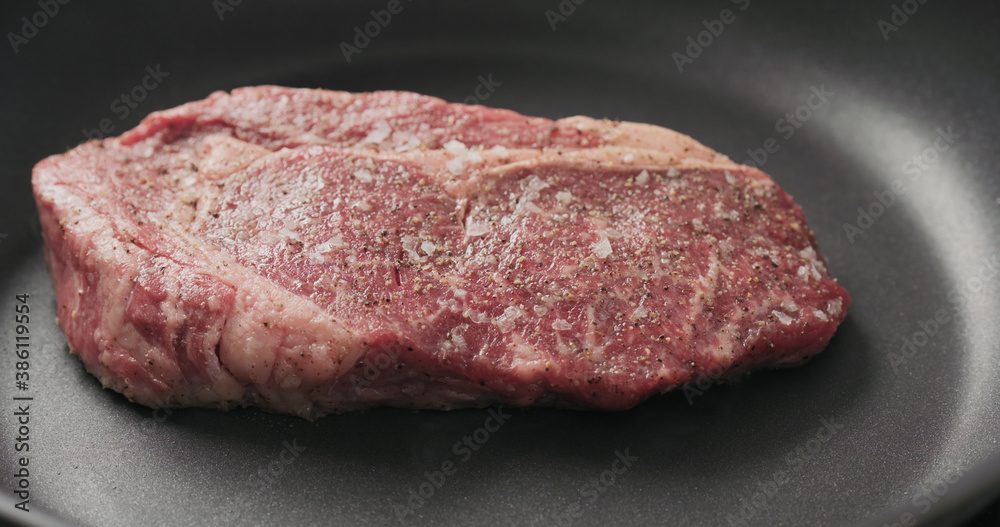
878	118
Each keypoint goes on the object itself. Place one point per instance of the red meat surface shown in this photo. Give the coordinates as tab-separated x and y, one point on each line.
309	252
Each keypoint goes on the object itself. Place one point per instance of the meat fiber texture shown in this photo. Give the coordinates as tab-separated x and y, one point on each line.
311	252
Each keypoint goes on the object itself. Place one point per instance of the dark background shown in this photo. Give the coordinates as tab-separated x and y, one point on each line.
606	60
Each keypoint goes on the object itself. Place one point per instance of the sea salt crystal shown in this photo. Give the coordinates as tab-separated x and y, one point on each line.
561	325
642	178
363	175
455	147
602	249
783	318
456	165
380	132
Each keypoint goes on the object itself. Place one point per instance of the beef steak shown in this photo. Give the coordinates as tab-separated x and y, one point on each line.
310	252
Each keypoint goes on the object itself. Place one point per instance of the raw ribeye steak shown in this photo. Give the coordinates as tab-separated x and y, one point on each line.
309	252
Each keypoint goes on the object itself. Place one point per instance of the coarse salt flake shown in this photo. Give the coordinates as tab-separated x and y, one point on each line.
380	132
602	249
833	307
455	165
455	147
476	228
500	150
363	175
561	325
783	318
642	178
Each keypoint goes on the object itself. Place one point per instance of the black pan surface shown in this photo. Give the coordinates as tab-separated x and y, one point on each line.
887	107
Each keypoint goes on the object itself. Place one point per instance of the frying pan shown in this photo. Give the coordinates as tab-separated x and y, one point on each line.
879	117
